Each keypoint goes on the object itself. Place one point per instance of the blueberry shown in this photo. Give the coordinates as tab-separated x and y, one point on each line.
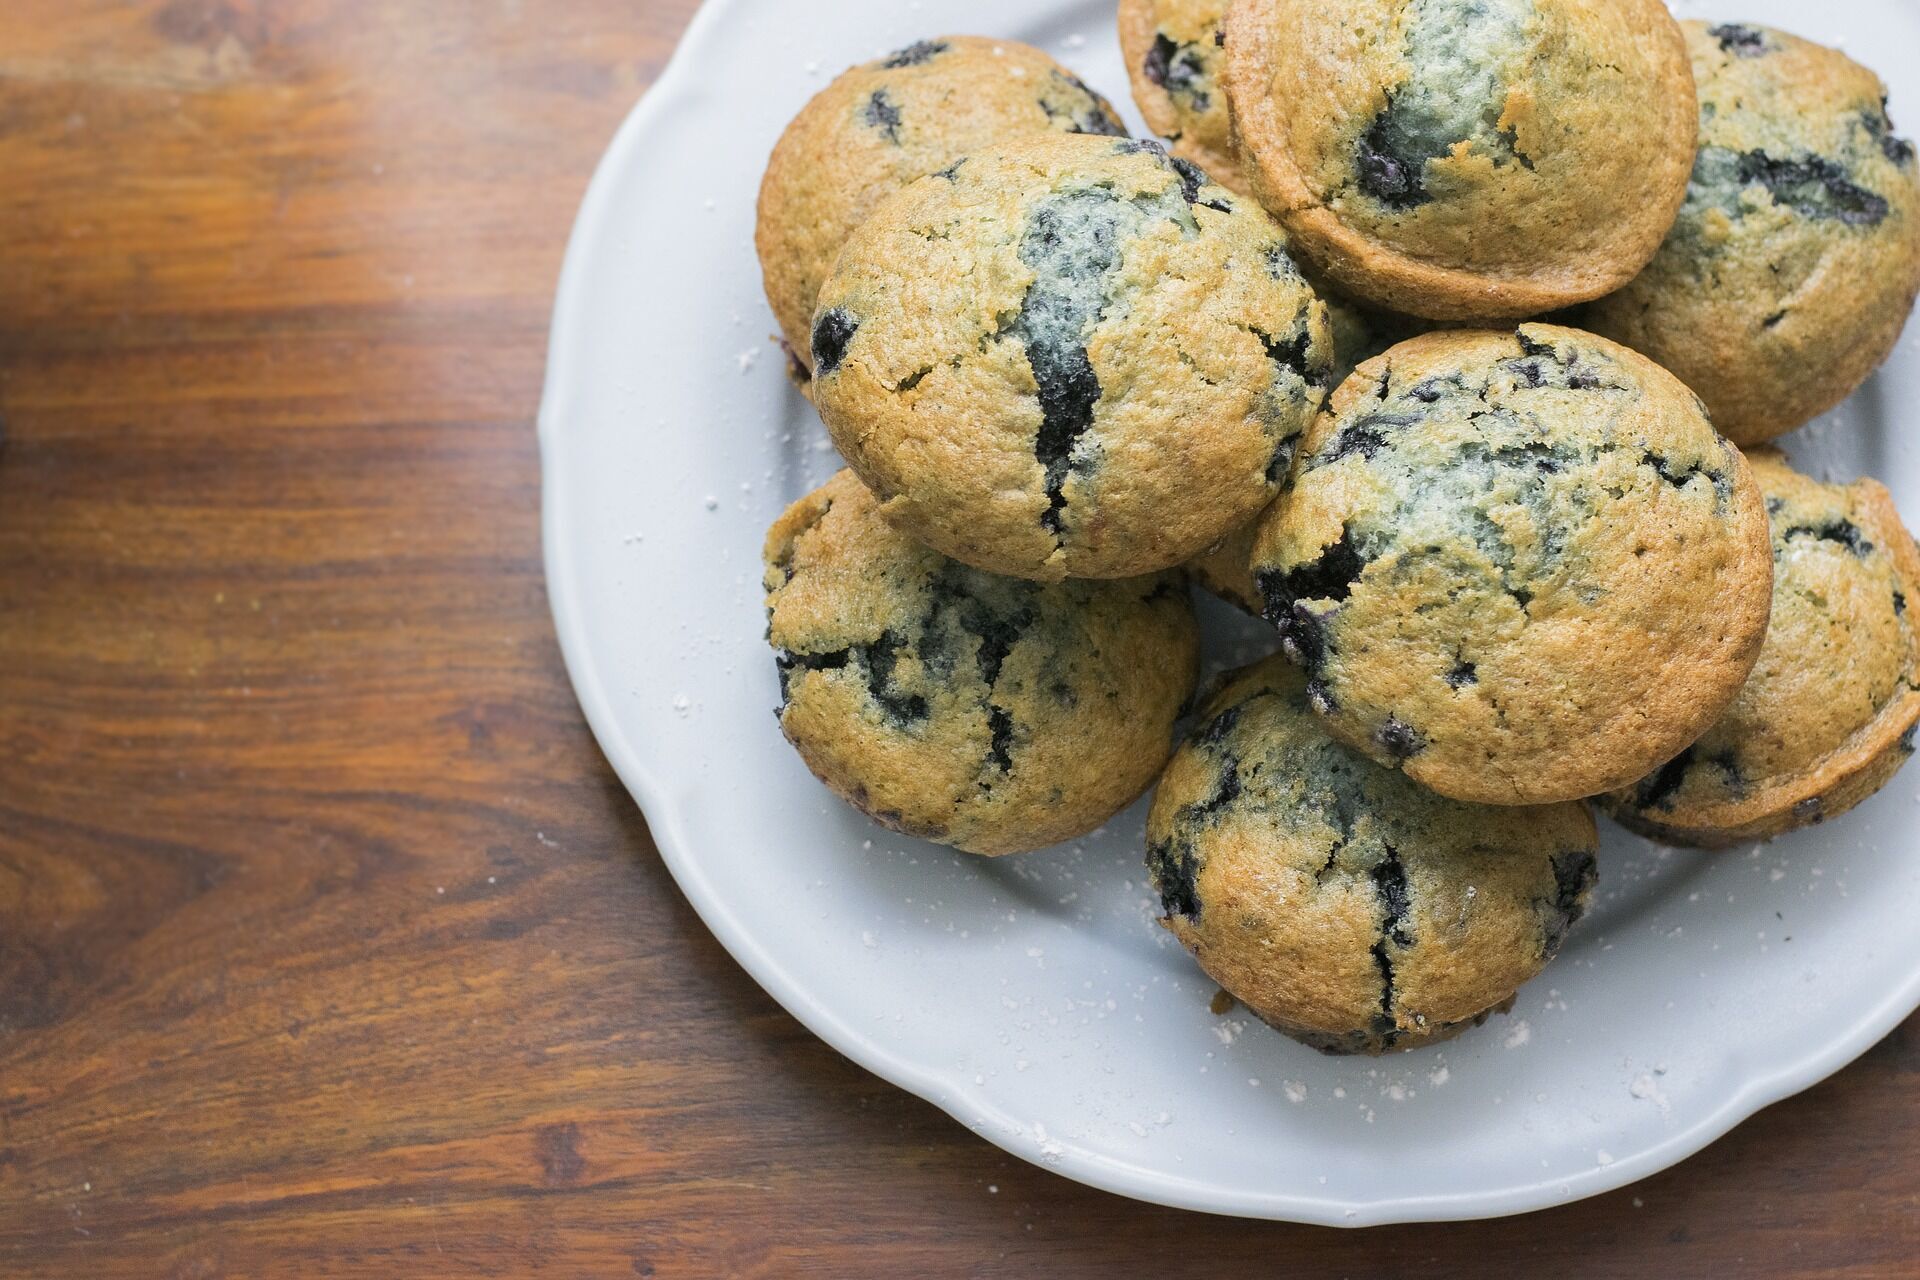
1396	903
1294	354
1396	898
832	332
1843	531
1216	730
1574	875
1740	41
1657	790
1680	477
920	51
1225	792
1392	177
882	113
1180	69
1192	179
1175	872
1330	577
1000	751
1365	436
881	657
1814	187
1399	739
1073	245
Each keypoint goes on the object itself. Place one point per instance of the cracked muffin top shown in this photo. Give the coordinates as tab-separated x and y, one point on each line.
1795	259
1492	559
1175	55
1465	159
1340	902
1070	357
1829	714
992	714
884	124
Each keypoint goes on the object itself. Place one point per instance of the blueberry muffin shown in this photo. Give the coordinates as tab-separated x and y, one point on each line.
1493	558
1359	334
1465	159
1796	256
1069	357
1175	52
1342	903
884	124
1829	713
992	714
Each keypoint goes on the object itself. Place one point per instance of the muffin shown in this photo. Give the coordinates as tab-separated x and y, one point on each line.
884	124
1829	713
1343	904
1465	159
1175	54
1492	558
991	714
1796	257
1069	357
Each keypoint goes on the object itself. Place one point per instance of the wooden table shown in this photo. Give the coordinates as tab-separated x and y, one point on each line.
328	943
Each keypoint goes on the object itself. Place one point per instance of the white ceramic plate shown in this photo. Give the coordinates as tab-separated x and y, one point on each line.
1034	998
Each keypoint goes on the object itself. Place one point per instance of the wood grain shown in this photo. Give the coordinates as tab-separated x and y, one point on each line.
328	944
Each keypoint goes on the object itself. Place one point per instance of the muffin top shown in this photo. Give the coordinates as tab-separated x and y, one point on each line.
1070	356
1175	54
1337	899
1465	159
1492	556
885	123
991	714
1829	712
1795	259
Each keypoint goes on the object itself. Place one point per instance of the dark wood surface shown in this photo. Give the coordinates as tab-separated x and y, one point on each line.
328	943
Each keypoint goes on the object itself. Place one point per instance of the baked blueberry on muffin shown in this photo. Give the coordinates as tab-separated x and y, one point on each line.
884	124
1494	559
1342	903
1829	713
991	714
1175	53
1069	356
1796	257
1465	159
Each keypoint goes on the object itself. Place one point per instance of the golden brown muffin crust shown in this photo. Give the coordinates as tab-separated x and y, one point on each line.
990	714
1342	903
886	123
1070	357
1465	159
1794	263
1492	556
1828	715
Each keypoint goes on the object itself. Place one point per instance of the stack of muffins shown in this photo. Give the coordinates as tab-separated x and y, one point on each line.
1296	355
